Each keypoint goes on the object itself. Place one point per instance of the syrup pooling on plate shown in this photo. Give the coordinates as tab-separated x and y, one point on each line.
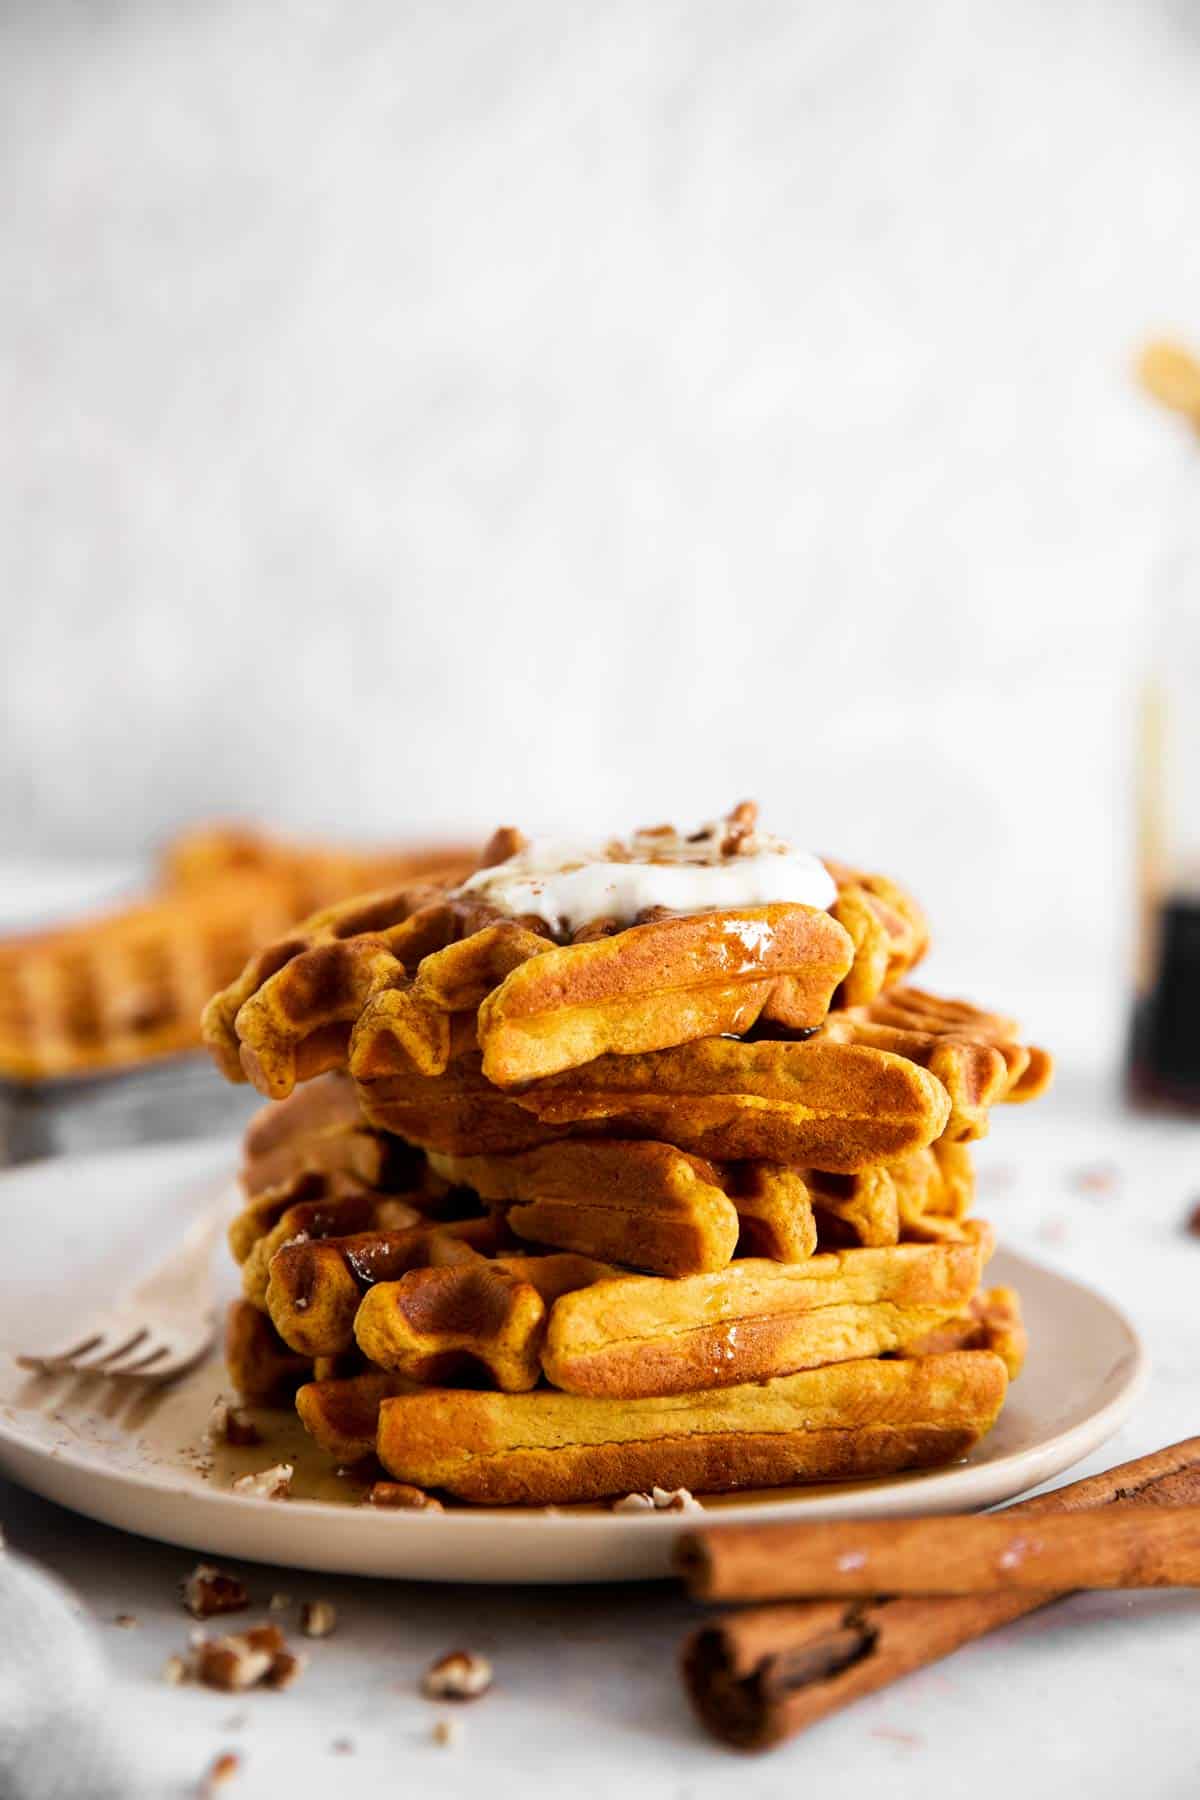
719	867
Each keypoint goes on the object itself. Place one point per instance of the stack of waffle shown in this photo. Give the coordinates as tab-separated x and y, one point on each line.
578	1204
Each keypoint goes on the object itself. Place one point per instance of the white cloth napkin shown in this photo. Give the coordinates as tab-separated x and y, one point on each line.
58	1740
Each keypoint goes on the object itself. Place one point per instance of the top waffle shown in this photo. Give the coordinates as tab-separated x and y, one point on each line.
402	979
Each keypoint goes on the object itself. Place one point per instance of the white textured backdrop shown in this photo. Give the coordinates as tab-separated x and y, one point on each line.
416	416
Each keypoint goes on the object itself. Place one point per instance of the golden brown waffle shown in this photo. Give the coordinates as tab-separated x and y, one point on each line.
311	875
338	995
664	983
656	1209
124	987
333	963
644	1204
335	1263
261	1367
306	1208
127	986
958	1042
321	1129
476	1316
774	1208
342	1413
886	927
845	1099
459	1112
840	1423
332	1190
934	1191
920	1197
376	985
315	1286
820	1104
638	1336
991	1322
330	1104
432	1323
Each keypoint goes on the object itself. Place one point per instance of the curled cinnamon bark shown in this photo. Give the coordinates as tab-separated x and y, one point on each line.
757	1677
1126	1547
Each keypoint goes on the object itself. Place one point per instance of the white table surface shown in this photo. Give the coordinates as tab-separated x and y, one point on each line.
1096	1695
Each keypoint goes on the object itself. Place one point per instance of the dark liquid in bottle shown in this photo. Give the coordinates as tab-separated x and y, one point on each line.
1164	1060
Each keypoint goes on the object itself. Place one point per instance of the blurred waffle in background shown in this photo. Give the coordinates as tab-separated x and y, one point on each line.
120	991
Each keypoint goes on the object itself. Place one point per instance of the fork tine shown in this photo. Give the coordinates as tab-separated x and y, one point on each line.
49	1360
137	1359
132	1338
114	1345
174	1363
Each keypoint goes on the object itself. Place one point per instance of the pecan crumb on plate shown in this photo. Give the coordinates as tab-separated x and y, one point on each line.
403	1497
230	1425
675	1500
267	1484
659	1500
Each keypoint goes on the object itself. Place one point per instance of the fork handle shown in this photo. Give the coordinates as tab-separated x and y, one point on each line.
179	1272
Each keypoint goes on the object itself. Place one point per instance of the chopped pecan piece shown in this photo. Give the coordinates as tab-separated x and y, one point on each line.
317	1618
402	1497
208	1591
459	1675
267	1484
230	1425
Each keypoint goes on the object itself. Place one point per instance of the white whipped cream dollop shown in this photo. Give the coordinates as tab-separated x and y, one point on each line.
572	885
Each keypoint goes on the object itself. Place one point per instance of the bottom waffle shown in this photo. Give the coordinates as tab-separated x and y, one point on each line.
840	1423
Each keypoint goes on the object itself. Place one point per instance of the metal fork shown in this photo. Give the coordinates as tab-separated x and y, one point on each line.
156	1330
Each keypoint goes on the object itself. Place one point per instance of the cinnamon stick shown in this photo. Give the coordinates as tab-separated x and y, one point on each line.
1127	1547
759	1676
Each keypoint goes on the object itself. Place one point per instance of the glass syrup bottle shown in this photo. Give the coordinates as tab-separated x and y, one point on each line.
1164	1048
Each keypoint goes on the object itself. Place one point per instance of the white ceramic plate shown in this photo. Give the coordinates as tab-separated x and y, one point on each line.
74	1231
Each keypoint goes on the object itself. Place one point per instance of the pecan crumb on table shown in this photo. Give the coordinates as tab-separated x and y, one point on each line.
208	1591
459	1675
317	1618
222	1770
